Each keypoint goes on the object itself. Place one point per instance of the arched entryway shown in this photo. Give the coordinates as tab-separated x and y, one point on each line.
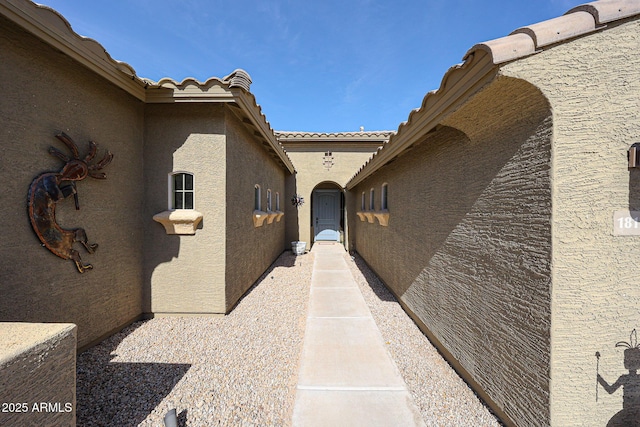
327	212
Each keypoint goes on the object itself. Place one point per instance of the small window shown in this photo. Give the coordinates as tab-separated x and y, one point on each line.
362	203
383	197
182	190
257	196
269	200
372	200
277	201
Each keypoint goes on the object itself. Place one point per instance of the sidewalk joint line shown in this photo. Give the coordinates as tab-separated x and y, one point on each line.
337	388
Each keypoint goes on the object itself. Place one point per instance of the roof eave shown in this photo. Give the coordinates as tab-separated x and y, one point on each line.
246	101
458	84
48	25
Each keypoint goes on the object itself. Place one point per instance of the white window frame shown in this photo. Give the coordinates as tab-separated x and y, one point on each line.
172	190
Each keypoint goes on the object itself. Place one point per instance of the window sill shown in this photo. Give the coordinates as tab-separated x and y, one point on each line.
259	217
271	215
179	221
371	216
382	217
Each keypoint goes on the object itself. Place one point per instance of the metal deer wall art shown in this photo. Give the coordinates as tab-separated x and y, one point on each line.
49	188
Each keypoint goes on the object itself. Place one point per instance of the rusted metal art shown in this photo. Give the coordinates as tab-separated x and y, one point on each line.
49	188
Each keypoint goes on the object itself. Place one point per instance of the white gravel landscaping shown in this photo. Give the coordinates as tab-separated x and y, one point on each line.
443	398
241	369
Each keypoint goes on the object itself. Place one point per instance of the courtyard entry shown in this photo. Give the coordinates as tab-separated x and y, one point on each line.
327	208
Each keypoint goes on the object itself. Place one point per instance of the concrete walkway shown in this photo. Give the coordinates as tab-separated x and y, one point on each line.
347	377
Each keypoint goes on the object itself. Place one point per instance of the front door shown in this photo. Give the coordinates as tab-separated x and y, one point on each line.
326	215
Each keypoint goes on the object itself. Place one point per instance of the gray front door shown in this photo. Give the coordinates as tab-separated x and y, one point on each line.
326	215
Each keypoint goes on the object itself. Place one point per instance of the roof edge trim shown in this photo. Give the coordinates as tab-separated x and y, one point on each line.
51	27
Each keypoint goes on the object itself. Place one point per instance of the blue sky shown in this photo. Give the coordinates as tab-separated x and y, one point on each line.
322	66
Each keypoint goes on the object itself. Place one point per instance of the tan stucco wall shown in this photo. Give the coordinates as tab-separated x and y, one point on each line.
44	92
185	273
37	374
249	250
593	86
308	161
468	244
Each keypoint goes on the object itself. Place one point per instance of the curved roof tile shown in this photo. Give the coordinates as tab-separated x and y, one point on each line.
559	29
522	42
609	10
383	134
52	27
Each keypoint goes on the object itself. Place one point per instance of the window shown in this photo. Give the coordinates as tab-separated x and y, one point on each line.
269	200
383	196
277	201
362	204
372	198
181	190
256	192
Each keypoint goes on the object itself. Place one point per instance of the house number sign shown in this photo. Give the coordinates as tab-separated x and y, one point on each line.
626	223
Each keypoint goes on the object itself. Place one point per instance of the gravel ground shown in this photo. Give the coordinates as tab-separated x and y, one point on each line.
241	369
443	398
236	370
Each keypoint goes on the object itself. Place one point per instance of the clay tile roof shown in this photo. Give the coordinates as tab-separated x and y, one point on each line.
558	29
285	136
609	10
520	43
577	21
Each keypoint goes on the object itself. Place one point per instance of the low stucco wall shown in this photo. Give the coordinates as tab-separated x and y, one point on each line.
593	87
44	92
37	374
468	245
185	273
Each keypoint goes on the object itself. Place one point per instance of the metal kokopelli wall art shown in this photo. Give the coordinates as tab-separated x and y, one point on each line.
49	188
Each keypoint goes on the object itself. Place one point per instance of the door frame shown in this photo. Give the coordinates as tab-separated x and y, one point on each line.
338	210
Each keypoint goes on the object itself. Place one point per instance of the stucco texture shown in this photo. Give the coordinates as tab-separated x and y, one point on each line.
468	245
44	92
37	374
185	273
249	250
594	92
311	171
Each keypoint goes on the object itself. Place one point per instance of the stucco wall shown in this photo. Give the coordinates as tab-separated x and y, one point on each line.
44	92
37	374
468	245
308	161
185	273
594	92
249	250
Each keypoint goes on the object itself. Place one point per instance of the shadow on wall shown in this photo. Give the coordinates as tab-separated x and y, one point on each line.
292	230
168	129
634	189
629	416
117	393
